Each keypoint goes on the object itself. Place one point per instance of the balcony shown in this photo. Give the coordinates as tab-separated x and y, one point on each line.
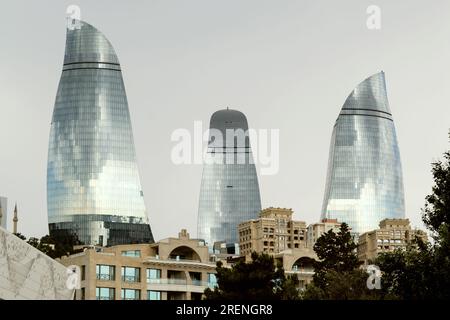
180	285
105	277
130	279
301	272
167	281
179	261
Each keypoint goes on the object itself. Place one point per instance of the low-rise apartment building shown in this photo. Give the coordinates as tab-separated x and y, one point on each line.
171	269
316	230
393	234
277	234
273	232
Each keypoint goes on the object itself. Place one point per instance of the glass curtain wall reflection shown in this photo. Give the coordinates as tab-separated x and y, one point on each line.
94	192
364	182
229	192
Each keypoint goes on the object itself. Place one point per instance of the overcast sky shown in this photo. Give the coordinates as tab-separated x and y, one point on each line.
287	65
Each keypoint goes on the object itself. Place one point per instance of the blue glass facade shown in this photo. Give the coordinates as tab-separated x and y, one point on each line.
364	182
93	187
229	191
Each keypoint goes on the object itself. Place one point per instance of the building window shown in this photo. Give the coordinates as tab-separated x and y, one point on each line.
83	272
296	245
153	275
131	274
130	294
83	293
153	295
105	272
132	253
196	278
104	293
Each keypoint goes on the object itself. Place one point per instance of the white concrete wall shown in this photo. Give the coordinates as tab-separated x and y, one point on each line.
4	203
28	274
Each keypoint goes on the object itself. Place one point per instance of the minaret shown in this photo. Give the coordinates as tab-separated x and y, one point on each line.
15	219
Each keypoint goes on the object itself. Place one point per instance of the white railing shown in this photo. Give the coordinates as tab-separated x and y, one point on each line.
183	260
167	281
183	282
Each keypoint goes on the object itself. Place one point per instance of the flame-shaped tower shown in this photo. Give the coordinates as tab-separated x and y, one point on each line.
364	182
94	192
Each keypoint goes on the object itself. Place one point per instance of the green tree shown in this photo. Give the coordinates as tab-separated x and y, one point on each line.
436	214
344	285
20	236
337	275
33	242
423	270
43	246
407	274
259	279
336	252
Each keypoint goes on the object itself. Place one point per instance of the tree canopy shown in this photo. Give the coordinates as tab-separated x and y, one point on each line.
259	279
424	273
337	274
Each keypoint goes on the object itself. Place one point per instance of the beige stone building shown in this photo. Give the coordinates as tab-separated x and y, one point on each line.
171	269
273	232
393	234
316	230
277	234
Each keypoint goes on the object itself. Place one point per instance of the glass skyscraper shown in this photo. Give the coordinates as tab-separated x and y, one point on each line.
229	191
364	182
93	188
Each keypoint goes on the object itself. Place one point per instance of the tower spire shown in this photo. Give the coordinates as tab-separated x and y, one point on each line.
15	219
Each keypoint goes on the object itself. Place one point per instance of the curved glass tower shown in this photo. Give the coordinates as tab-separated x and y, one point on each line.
364	182
94	192
229	192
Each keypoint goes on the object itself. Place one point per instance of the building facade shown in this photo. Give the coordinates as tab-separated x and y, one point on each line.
3	212
364	181
229	192
276	234
172	269
28	274
94	192
392	234
316	230
273	232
